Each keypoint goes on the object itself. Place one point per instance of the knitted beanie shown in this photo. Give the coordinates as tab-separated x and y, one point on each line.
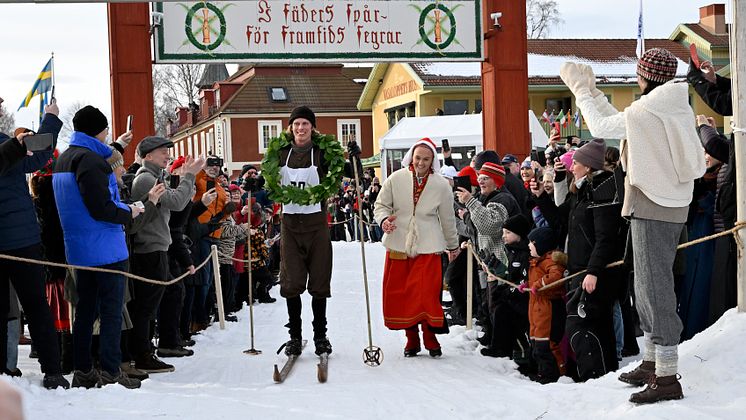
494	171
592	154
89	120
544	240
115	160
448	171
657	65
518	224
303	112
177	163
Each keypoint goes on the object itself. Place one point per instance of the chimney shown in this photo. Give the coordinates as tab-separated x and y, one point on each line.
224	91
712	18
182	114
207	101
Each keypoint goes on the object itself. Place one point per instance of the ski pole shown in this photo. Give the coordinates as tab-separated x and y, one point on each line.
252	351
372	355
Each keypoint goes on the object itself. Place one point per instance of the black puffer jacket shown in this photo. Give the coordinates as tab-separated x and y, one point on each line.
596	232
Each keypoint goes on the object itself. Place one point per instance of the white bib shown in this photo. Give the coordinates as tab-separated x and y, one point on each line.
302	178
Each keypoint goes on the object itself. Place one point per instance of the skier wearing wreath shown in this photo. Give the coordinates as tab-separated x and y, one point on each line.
303	168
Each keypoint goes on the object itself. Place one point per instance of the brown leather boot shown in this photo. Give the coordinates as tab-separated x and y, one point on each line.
659	389
640	375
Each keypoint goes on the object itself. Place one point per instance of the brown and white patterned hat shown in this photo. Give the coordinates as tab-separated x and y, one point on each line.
657	65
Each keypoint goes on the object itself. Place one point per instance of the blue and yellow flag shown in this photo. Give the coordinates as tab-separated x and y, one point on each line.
43	84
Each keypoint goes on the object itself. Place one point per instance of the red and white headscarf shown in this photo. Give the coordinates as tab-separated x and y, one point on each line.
426	142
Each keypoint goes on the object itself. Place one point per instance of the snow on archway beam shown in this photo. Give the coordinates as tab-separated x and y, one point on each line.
318	30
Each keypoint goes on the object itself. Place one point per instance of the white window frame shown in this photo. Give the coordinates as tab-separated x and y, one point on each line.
356	124
260	131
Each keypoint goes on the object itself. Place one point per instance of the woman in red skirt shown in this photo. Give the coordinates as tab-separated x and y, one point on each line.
415	211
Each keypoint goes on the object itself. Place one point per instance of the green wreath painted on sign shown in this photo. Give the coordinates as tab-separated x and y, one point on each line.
286	194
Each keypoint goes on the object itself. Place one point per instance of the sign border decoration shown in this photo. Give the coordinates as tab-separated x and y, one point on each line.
423	34
210	56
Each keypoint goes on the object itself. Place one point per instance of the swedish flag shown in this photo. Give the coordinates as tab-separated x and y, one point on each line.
43	84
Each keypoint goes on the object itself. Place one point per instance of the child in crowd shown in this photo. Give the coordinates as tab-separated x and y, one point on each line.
511	308
546	309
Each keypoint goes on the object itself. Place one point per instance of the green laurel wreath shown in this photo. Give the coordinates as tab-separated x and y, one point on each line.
286	194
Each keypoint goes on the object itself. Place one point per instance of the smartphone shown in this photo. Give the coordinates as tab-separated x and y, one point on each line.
461	182
129	122
38	142
446	146
139	204
694	55
174	181
210	185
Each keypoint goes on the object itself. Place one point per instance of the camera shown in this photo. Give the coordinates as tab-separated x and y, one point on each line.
496	19
215	161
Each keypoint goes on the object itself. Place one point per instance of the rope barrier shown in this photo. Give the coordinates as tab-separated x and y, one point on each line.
341	222
224	255
106	270
738	226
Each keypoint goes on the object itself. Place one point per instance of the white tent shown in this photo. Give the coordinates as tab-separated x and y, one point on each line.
462	131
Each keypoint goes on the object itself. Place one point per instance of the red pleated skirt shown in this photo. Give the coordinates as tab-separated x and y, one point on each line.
412	291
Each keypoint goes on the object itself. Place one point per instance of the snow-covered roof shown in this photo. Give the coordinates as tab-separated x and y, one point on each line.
450	69
540	65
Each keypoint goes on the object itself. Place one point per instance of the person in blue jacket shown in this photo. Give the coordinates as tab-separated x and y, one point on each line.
20	237
93	218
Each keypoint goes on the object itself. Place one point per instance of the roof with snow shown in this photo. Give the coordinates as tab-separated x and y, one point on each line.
613	60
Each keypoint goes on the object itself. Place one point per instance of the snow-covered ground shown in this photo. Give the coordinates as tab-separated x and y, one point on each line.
220	382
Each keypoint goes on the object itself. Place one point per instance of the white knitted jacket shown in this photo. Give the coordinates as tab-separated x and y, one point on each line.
428	229
664	154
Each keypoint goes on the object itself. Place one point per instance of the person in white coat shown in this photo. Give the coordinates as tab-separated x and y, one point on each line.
415	211
662	156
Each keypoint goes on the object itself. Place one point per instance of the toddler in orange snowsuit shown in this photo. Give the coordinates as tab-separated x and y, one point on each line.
546	309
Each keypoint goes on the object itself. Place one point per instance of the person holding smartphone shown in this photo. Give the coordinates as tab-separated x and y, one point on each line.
20	237
206	182
150	246
93	218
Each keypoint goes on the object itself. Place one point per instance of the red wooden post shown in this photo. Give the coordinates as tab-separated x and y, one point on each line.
505	79
131	71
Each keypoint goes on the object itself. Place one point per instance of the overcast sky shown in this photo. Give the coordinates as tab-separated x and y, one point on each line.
77	33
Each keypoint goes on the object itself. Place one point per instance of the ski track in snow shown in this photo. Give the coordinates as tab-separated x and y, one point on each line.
220	382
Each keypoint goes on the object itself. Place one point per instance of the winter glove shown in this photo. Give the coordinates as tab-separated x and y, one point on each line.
575	79
524	286
353	149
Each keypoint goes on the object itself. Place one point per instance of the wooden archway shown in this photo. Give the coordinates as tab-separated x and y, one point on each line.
504	74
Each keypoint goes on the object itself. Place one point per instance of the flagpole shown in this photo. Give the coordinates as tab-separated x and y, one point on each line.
53	76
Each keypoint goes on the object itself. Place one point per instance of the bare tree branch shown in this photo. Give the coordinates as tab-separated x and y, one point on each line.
66	116
7	121
541	16
173	86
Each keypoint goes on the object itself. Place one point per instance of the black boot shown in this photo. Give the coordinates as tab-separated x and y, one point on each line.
322	346
293	347
547	369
